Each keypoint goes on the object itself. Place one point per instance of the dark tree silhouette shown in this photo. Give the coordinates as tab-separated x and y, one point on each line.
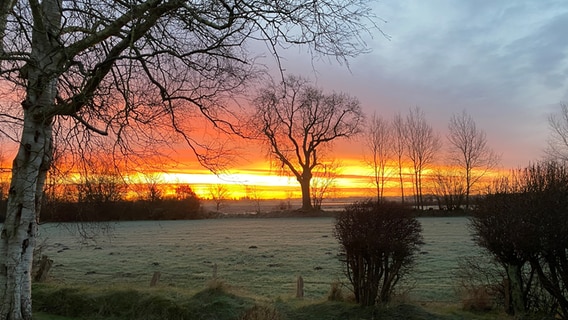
378	242
523	223
298	121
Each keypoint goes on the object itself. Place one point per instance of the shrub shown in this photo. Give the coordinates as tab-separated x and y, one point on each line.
523	223
378	243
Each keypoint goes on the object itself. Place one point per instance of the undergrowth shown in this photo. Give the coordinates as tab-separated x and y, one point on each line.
60	302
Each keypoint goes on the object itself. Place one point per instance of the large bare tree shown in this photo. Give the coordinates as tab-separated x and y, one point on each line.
469	151
422	145
128	68
298	121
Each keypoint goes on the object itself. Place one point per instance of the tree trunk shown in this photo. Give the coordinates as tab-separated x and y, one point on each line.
18	237
306	199
516	287
29	169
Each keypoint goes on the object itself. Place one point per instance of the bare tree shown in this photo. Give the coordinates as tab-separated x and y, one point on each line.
153	183
254	193
469	151
422	144
379	139
323	182
118	68
399	148
219	194
449	188
298	121
558	138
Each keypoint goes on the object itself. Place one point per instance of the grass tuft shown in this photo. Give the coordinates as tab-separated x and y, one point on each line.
260	313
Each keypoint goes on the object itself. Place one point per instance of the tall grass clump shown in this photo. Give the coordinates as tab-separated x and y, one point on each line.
260	313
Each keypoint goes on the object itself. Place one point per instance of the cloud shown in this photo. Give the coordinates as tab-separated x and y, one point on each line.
505	62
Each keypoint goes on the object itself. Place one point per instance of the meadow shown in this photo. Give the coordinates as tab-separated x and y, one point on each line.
220	268
259	257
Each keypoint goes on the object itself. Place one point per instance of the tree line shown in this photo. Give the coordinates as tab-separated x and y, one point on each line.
520	221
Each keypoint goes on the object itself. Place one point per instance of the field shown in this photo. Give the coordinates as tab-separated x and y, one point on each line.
258	259
262	257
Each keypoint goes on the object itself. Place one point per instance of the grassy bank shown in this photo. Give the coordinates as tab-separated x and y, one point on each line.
59	302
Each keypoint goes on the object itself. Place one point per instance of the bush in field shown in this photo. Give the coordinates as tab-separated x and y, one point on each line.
523	223
379	243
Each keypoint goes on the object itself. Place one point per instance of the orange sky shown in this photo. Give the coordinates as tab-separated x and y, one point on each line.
256	179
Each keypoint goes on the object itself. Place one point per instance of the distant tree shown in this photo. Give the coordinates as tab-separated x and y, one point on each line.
469	151
255	194
379	139
133	69
558	138
298	121
153	183
399	148
219	194
449	188
323	182
422	145
378	242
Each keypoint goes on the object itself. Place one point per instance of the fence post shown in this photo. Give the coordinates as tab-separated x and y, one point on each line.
300	287
155	279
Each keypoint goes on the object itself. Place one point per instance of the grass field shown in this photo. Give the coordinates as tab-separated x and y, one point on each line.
257	262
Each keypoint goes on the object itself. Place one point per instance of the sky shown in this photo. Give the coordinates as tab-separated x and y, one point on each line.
503	62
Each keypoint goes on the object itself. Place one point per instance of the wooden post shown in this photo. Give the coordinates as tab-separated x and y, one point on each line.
44	267
215	271
300	287
155	279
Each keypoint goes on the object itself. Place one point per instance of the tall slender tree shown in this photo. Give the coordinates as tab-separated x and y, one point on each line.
379	149
399	148
422	144
129	68
469	151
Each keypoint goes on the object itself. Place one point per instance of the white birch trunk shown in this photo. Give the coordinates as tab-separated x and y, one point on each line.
18	236
29	169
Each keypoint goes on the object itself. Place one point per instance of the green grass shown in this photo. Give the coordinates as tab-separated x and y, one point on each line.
59	302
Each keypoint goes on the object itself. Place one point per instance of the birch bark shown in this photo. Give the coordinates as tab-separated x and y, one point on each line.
29	169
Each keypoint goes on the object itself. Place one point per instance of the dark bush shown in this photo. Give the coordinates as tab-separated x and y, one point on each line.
378	244
523	223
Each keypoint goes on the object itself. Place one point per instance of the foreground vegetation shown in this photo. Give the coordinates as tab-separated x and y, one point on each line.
53	301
